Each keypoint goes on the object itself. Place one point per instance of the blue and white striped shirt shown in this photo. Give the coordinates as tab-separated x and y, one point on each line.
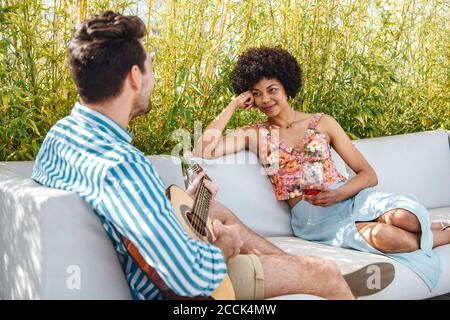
90	154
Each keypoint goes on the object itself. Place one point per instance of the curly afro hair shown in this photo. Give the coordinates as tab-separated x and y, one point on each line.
267	62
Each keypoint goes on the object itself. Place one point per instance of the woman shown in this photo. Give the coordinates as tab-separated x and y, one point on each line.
347	212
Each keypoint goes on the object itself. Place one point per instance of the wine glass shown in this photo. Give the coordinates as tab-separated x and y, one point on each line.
311	178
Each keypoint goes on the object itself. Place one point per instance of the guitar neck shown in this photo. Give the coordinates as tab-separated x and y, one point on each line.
202	197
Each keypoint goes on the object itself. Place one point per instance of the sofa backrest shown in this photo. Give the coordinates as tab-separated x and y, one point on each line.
416	163
52	246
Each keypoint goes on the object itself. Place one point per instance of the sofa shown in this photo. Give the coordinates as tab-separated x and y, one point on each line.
52	246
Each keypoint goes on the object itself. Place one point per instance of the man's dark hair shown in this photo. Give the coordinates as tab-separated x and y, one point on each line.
266	62
102	52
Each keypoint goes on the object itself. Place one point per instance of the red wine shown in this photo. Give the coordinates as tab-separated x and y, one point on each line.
310	192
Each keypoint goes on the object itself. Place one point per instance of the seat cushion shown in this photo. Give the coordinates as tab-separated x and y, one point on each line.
440	214
297	297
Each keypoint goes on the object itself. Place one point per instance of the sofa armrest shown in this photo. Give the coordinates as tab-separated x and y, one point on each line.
52	246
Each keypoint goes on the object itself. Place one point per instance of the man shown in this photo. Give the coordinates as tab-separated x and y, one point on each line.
89	152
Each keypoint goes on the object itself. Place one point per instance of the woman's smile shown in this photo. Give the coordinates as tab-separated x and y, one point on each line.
268	109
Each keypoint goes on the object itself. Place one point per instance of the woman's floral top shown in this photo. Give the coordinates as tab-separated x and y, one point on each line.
284	164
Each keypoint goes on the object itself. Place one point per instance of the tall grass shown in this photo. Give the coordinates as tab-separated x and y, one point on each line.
380	67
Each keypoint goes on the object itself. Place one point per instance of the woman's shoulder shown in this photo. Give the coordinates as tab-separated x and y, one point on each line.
308	117
328	120
329	126
319	117
324	123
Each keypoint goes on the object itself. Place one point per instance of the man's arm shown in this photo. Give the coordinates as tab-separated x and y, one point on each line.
133	200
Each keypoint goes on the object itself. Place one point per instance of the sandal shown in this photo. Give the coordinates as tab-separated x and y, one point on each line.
443	227
363	282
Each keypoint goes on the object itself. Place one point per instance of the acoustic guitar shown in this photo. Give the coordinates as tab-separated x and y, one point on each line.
193	217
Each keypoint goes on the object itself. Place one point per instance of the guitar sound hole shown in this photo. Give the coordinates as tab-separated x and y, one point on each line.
198	225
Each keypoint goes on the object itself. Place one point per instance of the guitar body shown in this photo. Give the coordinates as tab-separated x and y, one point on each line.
197	229
182	205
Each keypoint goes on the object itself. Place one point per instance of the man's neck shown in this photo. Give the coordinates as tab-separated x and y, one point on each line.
117	109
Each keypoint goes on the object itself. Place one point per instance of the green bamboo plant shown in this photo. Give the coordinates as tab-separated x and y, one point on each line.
379	67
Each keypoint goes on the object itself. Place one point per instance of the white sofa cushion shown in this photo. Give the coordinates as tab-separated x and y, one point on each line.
42	255
416	163
48	237
247	191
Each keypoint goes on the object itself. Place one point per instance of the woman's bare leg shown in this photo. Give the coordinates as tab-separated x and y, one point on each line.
407	221
438	225
388	238
285	274
441	237
402	219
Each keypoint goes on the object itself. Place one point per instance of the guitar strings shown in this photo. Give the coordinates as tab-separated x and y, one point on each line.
201	203
198	206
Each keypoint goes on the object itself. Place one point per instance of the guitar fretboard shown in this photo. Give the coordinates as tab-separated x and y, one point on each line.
202	201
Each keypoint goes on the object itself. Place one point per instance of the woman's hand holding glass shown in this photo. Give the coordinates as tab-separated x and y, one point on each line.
313	188
326	197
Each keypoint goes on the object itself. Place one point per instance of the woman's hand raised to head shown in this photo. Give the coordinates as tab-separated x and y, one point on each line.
244	101
212	144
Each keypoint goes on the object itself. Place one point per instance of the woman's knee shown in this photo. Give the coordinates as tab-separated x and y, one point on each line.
390	239
412	242
402	218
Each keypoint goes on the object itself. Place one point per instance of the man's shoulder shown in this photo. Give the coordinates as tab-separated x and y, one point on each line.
85	135
92	144
88	142
133	158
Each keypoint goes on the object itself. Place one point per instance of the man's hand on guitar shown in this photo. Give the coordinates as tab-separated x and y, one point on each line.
228	239
211	186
